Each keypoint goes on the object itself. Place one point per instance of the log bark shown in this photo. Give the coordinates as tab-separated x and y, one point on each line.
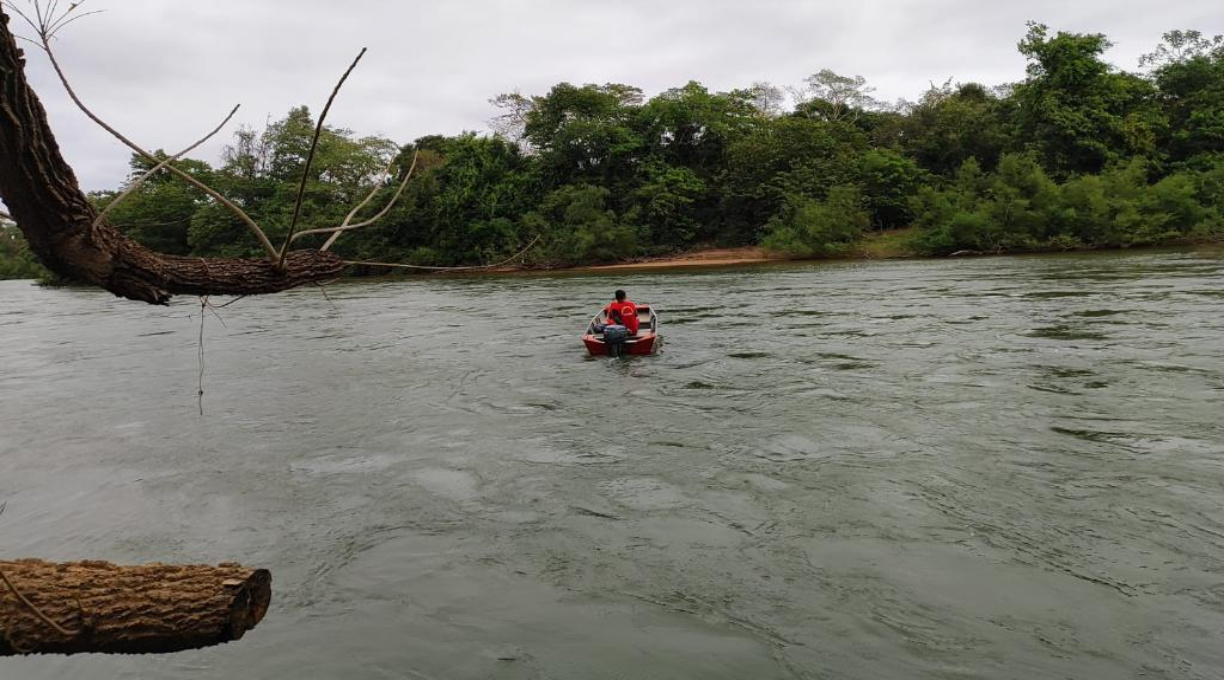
99	607
49	207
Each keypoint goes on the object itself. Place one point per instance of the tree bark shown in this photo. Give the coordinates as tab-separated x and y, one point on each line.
44	198
99	607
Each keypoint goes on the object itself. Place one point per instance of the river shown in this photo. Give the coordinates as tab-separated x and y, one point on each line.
1000	468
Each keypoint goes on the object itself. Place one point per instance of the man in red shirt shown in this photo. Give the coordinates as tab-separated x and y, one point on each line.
623	312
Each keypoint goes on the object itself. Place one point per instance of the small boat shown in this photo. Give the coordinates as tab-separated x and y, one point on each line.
646	341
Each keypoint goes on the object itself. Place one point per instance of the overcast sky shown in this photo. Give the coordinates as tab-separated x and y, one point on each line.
166	71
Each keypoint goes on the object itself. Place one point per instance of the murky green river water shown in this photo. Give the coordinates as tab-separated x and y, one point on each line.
997	468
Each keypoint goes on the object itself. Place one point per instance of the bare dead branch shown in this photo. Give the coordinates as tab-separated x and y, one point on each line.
387	208
41	192
246	219
314	144
58	27
157	168
346	226
447	269
45	23
200	357
365	201
323	289
53	24
227	304
213	308
17	10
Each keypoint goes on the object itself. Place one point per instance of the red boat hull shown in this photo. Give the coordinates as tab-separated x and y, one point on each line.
646	342
640	345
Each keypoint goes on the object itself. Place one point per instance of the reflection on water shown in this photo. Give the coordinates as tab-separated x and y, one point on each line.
1005	468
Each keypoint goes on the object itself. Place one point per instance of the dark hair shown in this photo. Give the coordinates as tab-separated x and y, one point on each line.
620	295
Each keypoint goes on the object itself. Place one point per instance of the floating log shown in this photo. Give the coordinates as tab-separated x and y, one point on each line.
99	607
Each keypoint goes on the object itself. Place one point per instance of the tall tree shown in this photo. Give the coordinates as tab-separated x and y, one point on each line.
1079	112
586	134
769	99
790	156
692	127
832	97
950	125
1188	69
1178	47
479	191
512	122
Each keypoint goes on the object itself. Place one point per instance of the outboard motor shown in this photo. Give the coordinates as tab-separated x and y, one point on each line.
614	336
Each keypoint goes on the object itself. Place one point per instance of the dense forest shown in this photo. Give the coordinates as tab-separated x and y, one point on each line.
1078	154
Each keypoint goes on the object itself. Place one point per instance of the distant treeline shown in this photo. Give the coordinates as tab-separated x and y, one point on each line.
1078	154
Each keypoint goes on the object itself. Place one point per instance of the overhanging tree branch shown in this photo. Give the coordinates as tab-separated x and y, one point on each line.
314	145
67	233
158	168
212	193
347	226
41	193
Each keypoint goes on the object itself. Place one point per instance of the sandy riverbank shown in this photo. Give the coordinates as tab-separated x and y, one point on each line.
719	257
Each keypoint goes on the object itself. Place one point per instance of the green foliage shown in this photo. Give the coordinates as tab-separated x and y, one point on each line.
159	213
790	157
585	134
664	204
819	228
888	180
951	125
16	261
1078	111
1079	154
479	189
261	172
832	97
577	228
692	127
1020	208
1189	73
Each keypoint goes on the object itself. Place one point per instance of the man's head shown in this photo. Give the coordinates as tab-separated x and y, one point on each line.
620	296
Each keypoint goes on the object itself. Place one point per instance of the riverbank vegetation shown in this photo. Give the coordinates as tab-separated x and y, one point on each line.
1078	154
16	260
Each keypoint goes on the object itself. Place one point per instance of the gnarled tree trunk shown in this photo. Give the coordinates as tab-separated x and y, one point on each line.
47	203
98	607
